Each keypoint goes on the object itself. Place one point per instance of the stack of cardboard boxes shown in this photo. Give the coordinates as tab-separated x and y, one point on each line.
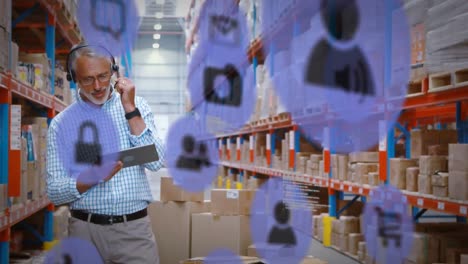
345	230
398	171
431	142
428	166
458	172
227	225
171	220
339	166
5	29
361	164
35	70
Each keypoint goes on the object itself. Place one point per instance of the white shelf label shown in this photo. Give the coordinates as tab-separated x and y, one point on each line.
268	141
382	135
341	187
463	210
220	144
420	202
332	185
238	141
350	188
232	194
228	144
15	127
251	142
360	191
291	140
440	205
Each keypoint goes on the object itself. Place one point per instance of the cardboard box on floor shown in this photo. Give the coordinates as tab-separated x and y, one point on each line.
210	232
171	192
244	259
231	202
171	224
251	252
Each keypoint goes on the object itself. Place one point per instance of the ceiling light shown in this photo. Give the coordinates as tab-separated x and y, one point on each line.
157	27
156	46
156	36
159	15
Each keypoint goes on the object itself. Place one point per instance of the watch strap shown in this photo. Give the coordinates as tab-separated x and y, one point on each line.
132	114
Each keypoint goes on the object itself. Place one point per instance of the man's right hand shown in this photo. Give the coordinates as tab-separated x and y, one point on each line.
87	179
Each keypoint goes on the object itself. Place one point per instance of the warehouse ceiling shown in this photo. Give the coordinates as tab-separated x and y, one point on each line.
173	13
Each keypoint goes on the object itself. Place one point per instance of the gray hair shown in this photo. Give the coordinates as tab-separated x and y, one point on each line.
91	51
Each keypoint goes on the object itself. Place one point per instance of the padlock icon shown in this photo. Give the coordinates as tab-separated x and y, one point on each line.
88	152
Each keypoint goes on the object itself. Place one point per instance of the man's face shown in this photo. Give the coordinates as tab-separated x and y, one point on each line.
93	76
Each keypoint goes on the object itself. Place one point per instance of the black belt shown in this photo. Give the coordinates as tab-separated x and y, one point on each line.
107	219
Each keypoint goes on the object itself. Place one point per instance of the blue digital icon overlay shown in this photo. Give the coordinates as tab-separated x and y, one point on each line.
221	256
387	225
73	251
221	83
87	143
281	227
191	154
340	64
109	21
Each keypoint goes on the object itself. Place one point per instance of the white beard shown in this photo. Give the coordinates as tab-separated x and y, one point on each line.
93	100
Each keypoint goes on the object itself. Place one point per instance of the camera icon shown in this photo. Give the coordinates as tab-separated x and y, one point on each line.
234	96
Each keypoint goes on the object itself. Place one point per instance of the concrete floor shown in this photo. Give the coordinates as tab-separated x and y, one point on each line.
316	249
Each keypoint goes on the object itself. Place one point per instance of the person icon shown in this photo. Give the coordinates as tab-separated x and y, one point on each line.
345	69
189	160
282	233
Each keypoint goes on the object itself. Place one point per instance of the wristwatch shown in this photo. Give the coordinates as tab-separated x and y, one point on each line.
132	114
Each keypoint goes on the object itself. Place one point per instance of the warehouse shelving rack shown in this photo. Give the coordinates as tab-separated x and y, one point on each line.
436	106
38	18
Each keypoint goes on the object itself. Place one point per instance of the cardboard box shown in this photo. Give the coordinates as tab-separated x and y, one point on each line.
374	179
33	180
313	260
3	197
458	154
210	232
425	249
171	225
342	167
437	150
429	165
458	185
251	251
171	192
4	54
448	136
343	242
231	202
362	169
14	58
420	139
440	179
348	224
244	259
464	259
424	184
365	157
60	227
412	179
398	168
5	18
353	243
454	255
362	246
440	191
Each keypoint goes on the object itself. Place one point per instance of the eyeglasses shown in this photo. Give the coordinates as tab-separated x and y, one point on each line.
105	77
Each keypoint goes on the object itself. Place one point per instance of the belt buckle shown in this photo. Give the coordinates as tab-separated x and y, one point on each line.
111	220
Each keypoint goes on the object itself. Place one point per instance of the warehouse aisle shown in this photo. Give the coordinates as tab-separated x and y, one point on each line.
316	249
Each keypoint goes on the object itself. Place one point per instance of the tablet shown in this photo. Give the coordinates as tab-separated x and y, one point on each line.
138	155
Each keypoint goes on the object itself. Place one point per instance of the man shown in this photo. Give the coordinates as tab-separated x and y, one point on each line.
110	213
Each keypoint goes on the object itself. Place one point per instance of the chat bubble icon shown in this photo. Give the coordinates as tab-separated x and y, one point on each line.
114	25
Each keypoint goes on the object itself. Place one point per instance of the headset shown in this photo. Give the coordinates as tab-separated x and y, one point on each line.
71	73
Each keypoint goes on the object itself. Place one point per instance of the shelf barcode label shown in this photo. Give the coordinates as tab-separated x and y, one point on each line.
420	202
341	186
463	210
350	188
332	185
440	205
251	142
360	191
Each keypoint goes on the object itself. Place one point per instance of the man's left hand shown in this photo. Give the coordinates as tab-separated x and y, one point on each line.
126	88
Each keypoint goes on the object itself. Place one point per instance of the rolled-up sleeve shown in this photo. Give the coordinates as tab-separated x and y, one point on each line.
61	187
149	135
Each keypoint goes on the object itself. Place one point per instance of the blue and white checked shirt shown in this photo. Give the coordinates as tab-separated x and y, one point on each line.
128	191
